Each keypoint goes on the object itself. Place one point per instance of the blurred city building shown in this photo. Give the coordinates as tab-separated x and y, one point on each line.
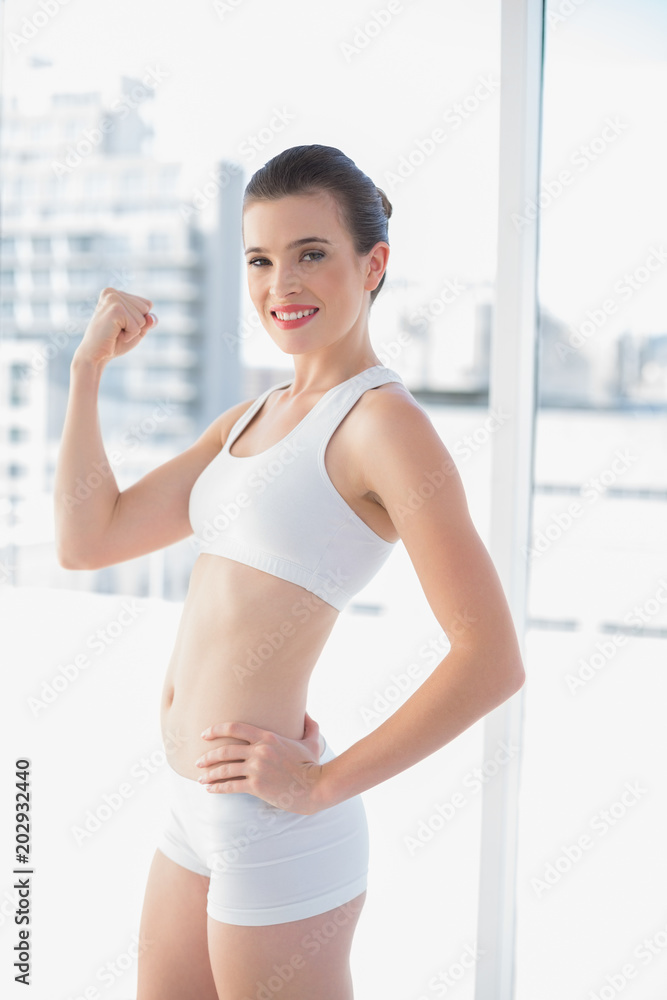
85	206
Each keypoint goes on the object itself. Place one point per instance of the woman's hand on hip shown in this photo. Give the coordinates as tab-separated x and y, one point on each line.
283	772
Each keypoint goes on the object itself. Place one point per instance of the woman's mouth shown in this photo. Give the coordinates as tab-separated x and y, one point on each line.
293	318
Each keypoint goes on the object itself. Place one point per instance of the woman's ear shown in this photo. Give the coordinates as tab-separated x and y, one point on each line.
377	265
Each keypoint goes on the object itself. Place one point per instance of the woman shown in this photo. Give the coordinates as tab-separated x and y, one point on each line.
296	498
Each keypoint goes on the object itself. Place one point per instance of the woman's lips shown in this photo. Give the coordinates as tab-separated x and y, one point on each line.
293	324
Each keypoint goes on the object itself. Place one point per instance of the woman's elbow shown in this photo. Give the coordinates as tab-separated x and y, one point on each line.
69	558
515	676
66	560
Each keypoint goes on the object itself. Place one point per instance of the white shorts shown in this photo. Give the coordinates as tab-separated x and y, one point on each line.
266	865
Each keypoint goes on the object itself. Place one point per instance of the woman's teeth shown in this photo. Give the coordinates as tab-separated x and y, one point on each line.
295	315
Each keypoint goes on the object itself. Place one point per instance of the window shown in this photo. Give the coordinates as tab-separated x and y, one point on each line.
19	383
81	308
41	277
132	183
168	179
80	244
593	742
115	243
7	246
95	185
82	277
159	242
166	274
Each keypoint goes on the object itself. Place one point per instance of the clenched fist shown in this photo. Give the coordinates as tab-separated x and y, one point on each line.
118	324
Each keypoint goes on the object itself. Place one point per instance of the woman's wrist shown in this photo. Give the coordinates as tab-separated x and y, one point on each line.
328	793
83	363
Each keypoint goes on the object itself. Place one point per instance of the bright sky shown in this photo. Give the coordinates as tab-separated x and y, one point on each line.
228	66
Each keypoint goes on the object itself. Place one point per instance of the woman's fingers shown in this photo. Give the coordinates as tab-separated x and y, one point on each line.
119	320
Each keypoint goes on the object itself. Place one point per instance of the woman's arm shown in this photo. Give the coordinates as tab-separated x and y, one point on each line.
96	523
408	467
85	489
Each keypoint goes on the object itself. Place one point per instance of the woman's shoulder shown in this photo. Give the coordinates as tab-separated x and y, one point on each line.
390	401
391	422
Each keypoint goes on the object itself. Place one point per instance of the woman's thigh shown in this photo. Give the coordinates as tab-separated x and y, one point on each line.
174	963
298	960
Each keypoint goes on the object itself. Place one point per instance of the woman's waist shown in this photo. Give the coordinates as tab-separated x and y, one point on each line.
251	672
194	708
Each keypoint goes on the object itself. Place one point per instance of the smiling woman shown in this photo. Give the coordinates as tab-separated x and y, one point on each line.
267	840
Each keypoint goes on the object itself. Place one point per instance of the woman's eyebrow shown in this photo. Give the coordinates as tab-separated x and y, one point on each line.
294	244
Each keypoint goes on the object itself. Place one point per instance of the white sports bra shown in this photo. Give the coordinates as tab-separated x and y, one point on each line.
279	511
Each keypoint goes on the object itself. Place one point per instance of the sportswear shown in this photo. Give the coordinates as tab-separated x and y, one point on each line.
279	511
266	865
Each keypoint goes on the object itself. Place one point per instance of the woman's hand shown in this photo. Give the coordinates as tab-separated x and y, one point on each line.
283	772
118	324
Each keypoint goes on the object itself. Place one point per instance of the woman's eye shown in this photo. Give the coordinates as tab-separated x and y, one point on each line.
316	254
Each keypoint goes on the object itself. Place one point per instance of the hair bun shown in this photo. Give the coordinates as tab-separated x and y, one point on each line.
386	204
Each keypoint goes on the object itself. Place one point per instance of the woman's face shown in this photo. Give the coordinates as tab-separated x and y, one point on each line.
300	257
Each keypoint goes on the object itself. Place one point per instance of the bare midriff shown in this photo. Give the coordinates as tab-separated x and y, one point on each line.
248	641
245	648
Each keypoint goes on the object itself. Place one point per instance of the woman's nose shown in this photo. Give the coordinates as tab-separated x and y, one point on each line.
283	280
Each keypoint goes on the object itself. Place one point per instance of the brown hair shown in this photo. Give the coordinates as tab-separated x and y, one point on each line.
364	208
